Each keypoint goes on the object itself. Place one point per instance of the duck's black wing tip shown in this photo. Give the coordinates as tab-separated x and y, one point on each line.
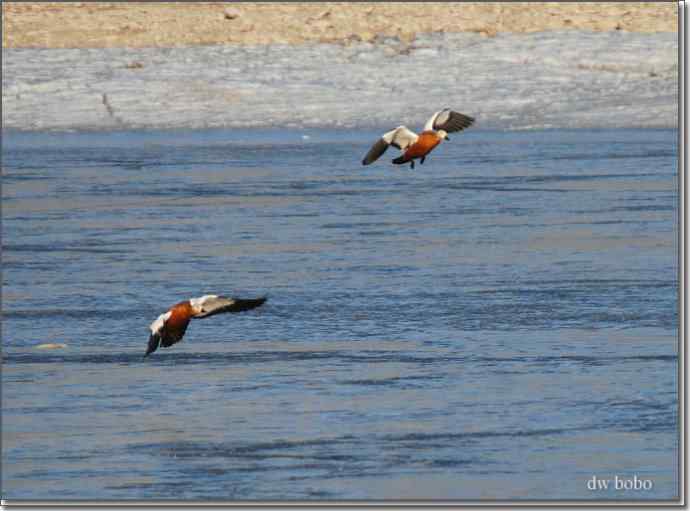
154	342
454	121
223	304
375	152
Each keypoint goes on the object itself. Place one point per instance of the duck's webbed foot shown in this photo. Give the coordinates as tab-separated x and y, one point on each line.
421	162
412	164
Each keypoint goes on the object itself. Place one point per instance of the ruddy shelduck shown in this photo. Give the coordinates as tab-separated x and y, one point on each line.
415	146
169	328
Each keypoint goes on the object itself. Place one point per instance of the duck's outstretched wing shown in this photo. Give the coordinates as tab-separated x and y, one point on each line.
448	121
220	304
157	332
400	137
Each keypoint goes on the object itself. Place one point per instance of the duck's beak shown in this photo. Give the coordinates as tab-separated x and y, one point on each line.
447	138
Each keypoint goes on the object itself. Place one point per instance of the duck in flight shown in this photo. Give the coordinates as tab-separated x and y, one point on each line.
415	146
170	327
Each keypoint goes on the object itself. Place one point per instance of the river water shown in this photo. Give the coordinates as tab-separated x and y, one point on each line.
499	323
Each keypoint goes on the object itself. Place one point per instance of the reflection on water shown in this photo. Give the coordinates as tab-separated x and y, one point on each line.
499	323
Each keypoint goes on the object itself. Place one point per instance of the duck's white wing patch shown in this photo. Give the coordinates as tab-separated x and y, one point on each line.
160	322
199	302
217	304
400	137
429	126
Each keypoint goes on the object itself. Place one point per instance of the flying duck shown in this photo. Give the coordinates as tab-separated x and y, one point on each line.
170	327
415	146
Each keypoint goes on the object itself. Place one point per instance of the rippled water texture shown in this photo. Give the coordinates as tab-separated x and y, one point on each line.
500	323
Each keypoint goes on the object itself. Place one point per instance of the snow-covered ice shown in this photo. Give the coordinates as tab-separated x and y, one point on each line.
520	81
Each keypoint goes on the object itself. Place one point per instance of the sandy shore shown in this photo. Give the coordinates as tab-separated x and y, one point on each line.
139	25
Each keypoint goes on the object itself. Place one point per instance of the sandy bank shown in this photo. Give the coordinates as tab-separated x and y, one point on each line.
140	25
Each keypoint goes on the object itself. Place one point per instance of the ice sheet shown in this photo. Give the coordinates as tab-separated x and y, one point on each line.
519	81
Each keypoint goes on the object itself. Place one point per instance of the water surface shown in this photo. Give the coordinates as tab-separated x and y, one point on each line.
500	323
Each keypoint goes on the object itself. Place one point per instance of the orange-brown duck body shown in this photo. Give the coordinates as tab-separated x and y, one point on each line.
426	143
177	323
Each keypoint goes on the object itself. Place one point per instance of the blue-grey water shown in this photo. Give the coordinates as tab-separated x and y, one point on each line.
500	323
